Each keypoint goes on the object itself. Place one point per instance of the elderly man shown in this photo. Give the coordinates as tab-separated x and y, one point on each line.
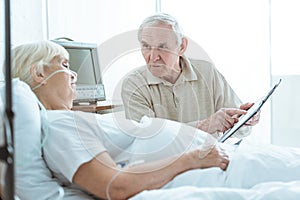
174	87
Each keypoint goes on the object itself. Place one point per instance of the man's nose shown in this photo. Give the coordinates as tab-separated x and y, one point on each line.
154	54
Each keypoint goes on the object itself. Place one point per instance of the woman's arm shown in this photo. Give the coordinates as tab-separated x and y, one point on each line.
95	176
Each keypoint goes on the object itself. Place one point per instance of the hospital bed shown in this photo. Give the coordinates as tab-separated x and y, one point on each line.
33	179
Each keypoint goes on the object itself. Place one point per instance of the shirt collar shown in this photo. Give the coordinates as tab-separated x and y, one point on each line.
187	74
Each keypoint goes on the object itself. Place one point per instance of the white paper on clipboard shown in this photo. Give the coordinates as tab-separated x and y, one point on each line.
250	113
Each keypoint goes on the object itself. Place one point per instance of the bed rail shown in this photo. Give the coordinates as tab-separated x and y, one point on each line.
7	151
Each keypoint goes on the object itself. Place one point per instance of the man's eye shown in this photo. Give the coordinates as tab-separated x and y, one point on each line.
146	46
162	47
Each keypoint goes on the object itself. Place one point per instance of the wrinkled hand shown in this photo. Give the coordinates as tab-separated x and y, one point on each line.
215	157
221	121
253	120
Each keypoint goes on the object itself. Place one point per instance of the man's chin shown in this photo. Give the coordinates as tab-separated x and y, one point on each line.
156	74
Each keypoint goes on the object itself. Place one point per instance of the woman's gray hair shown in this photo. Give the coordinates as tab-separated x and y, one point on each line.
165	19
38	54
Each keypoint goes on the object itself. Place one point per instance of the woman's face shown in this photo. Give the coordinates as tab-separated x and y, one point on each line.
61	87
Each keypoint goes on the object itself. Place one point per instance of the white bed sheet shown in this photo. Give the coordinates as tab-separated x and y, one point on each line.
255	173
263	191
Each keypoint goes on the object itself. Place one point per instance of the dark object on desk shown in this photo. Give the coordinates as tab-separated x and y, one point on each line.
94	108
100	107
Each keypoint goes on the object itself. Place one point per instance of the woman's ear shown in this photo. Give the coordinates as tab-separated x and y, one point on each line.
36	74
183	46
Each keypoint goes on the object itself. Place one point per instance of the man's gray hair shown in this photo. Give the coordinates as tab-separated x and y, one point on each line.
165	19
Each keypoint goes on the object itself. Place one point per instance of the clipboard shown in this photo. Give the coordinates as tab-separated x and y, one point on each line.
250	113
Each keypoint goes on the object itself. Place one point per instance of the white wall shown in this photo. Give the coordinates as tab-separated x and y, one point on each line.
96	21
285	112
26	23
285	31
286	65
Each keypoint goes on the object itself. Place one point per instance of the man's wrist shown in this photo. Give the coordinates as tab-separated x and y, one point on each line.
203	125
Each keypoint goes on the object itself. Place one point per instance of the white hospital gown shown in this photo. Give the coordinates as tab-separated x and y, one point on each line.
75	137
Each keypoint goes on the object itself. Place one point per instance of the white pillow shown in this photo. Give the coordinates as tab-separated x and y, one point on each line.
33	180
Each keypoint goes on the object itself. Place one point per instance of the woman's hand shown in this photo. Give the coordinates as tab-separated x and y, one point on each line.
214	157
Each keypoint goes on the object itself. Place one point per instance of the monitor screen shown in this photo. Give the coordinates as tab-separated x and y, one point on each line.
84	61
79	60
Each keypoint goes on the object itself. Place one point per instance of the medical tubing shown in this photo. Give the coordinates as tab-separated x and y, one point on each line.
48	77
110	182
119	171
45	130
44	122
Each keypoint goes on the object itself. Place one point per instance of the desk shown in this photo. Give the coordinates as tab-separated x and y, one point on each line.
99	107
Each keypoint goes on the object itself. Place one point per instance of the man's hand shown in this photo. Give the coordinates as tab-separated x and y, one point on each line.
253	120
222	120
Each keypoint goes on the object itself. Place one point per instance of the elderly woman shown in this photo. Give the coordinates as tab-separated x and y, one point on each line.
106	157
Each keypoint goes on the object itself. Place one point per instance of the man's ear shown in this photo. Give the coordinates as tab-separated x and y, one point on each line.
37	76
183	46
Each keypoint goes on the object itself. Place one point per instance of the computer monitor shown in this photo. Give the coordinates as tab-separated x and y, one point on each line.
84	60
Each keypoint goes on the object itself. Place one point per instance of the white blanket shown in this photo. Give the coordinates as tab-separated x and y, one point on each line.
263	191
254	172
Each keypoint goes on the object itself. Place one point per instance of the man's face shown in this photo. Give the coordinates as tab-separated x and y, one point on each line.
160	50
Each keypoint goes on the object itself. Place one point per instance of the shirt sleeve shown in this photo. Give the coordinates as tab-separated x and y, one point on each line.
71	141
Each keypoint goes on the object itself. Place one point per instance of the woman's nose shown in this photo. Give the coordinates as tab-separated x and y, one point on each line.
73	76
